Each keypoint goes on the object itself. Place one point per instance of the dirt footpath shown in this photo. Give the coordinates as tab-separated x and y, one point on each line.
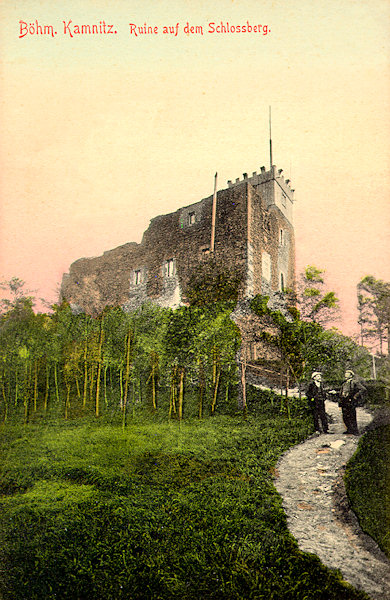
309	479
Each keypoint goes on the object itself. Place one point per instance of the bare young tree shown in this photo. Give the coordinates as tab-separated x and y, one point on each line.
315	303
374	312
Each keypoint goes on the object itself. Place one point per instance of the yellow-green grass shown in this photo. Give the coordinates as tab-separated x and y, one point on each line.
161	510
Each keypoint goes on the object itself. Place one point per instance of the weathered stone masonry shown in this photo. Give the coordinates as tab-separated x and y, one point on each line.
254	238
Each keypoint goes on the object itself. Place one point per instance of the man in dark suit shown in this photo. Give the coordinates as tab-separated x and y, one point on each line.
350	393
316	395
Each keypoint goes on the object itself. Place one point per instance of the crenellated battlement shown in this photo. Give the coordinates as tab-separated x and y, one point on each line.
263	177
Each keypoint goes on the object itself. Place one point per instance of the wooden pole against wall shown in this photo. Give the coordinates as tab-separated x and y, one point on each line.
213	216
270	139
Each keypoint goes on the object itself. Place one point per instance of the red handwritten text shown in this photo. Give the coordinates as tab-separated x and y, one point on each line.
102	28
35	29
244	28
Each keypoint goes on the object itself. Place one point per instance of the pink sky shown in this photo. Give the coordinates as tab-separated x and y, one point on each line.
102	133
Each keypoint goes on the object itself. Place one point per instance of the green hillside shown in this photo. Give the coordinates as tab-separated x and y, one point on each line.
162	510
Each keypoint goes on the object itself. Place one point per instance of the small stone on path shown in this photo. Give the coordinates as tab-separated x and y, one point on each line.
337	444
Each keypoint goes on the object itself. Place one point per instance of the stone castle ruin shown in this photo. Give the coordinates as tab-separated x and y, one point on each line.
246	228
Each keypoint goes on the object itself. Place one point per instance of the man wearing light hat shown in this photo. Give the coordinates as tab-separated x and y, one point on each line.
316	395
350	392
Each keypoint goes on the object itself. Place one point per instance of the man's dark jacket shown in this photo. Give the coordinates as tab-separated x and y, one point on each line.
316	394
351	392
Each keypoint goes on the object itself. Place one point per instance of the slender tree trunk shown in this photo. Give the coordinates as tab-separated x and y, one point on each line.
5	399
26	394
201	395
201	388
388	341
172	393
287	388
124	407
67	400
124	418
243	383
127	378
152	377
26	407
29	376
121	387
56	382
16	387
228	385
154	389
214	402
77	386
35	385
181	393
215	378
97	398
46	388
128	362
99	371
85	389
92	382
105	386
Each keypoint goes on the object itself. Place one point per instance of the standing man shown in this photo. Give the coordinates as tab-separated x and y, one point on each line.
316	395
350	392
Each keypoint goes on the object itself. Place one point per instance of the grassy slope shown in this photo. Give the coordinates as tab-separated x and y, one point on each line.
368	485
159	511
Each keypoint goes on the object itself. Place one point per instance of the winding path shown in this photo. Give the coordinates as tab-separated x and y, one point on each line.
309	479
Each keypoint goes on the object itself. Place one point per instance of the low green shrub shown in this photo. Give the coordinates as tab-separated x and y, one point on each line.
367	481
377	393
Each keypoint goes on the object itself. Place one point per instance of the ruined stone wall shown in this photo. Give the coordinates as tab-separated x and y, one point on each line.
159	268
249	234
93	283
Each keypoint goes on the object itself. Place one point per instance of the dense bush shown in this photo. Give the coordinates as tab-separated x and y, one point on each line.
377	392
368	485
